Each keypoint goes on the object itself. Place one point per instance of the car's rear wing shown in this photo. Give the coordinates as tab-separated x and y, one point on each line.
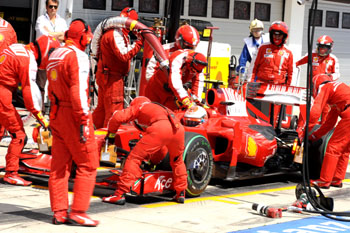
276	94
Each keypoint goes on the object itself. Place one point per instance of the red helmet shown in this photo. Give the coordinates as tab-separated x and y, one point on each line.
139	100
318	80
196	61
186	37
130	13
278	27
324	42
80	33
45	45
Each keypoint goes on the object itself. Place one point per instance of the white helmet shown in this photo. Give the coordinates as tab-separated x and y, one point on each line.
256	24
194	116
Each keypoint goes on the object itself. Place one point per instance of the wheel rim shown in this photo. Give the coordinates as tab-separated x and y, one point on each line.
200	166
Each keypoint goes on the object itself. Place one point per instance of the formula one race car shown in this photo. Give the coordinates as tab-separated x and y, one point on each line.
227	141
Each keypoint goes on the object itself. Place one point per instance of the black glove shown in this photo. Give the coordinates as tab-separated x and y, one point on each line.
84	133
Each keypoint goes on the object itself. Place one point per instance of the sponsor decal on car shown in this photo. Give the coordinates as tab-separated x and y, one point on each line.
163	182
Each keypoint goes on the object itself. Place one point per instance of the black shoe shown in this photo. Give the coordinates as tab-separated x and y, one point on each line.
180	197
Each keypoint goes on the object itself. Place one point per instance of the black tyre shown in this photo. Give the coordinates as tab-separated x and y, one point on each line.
316	154
199	163
293	122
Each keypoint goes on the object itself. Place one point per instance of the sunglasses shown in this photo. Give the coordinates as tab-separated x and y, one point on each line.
53	7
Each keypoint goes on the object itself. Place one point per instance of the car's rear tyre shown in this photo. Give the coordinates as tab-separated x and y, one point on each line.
317	151
199	163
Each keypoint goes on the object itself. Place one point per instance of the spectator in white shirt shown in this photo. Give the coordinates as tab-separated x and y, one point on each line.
51	23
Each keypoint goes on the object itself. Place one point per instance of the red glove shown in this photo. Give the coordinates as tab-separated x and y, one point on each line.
43	122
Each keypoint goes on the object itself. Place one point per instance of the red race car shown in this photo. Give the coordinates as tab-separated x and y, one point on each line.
229	141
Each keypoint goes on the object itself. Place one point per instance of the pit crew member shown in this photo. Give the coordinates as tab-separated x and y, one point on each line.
185	66
113	65
186	37
72	128
274	61
337	95
162	133
19	64
8	36
323	62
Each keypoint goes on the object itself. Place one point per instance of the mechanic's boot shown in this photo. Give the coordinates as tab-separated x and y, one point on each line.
180	197
337	183
321	184
60	217
116	198
14	179
82	219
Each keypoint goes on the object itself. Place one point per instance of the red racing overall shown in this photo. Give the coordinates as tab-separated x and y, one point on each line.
113	65
7	37
166	90
161	135
17	65
335	162
67	73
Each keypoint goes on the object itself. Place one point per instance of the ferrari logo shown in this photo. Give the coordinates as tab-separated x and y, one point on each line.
251	147
280	53
2	59
1	37
268	50
315	59
53	75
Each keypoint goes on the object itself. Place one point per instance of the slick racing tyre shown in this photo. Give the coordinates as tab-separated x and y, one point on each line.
199	163
317	151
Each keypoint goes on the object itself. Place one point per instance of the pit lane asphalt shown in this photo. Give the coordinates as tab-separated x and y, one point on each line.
223	207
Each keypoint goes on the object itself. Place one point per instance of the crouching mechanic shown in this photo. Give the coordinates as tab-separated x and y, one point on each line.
185	66
337	95
162	133
19	64
72	128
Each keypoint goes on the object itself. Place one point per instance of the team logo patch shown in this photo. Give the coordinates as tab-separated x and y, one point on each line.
53	74
2	58
251	147
268	50
315	59
194	40
1	37
280	53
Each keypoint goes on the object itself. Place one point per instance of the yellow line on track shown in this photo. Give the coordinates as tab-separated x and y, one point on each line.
220	198
223	198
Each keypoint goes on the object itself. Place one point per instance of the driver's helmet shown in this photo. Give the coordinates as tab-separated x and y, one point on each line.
194	116
324	45
186	37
